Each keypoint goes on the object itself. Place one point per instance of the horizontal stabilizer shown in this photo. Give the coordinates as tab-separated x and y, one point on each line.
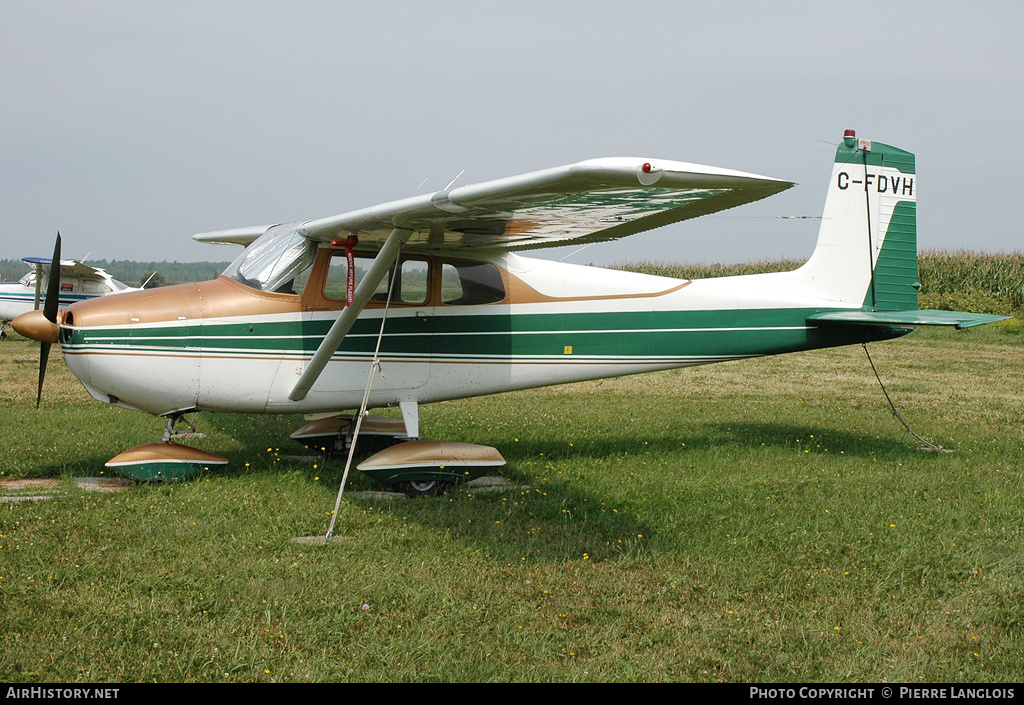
958	319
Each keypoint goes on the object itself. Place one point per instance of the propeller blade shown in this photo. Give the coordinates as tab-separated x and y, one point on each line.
52	301
44	354
50	306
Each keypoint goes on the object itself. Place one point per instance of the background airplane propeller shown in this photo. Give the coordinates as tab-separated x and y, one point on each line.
50	306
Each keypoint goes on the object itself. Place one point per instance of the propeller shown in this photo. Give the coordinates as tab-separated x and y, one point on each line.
50	306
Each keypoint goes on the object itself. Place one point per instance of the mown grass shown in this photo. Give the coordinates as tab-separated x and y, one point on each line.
762	521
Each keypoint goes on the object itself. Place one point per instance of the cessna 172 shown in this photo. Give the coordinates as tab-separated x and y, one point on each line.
78	281
432	288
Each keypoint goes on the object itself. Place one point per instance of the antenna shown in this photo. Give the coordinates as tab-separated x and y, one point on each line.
577	250
420	186
454	180
871	245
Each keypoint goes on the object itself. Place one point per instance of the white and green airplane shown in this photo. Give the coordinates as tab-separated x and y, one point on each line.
431	287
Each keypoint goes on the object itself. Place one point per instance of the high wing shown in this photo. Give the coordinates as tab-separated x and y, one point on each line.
68	267
590	201
234	236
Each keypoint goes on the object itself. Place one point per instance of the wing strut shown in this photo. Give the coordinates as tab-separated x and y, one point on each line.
374	276
39	285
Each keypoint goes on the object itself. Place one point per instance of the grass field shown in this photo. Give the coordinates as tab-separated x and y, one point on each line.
760	521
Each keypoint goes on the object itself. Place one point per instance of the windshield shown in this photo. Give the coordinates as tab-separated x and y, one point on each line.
272	262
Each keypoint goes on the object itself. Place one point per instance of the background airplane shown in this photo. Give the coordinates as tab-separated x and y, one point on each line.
78	282
429	289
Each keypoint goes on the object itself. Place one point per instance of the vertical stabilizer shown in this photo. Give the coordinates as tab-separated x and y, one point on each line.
866	254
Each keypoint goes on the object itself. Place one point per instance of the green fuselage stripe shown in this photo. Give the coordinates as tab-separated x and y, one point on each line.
622	336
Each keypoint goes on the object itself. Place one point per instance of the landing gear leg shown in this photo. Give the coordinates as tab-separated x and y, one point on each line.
170	432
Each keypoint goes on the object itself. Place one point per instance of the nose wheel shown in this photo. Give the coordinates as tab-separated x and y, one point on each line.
166	461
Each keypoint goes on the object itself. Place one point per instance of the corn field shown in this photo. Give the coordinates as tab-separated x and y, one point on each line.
951	280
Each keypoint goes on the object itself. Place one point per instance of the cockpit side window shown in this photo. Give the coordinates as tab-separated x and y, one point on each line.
470	283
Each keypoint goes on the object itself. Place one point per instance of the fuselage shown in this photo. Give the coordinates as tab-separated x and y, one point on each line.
453	328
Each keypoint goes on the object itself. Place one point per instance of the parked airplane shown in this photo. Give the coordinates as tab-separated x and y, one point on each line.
78	282
430	286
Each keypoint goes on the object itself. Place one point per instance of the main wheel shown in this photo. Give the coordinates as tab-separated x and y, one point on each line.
422	488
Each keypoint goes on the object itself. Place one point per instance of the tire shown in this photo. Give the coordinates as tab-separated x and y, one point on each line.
422	488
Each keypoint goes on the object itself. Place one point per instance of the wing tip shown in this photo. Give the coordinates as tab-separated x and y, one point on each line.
232	236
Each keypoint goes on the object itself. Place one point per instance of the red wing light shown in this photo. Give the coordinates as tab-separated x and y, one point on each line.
647	167
352	241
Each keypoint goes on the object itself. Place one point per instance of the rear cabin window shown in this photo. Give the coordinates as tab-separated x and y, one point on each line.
470	283
411	280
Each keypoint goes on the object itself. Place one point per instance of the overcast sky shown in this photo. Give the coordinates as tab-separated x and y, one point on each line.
129	126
